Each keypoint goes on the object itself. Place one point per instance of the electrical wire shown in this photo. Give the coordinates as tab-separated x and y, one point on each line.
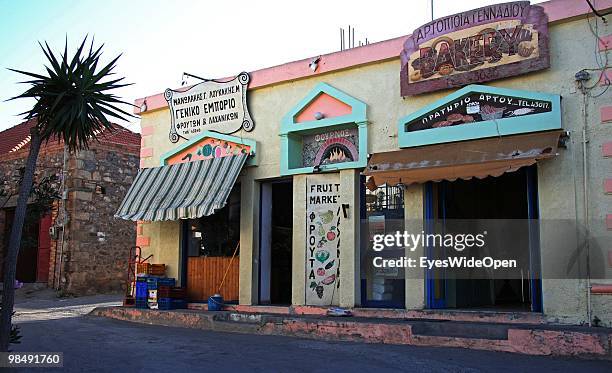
602	16
602	61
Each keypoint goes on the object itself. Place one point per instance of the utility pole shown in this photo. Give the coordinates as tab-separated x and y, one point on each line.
432	14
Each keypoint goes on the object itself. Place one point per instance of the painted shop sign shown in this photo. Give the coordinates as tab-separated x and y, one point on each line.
323	222
478	111
330	147
207	149
480	45
212	105
476	107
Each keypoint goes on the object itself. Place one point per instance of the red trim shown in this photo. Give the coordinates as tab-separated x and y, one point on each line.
557	10
601	289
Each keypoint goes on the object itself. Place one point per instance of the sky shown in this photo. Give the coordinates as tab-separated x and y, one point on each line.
159	40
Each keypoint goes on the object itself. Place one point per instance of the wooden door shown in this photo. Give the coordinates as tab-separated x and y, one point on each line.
44	249
204	275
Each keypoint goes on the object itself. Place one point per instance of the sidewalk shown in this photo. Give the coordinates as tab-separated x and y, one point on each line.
36	302
524	338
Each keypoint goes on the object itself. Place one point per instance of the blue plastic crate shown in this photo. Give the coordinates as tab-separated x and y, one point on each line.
141	290
152	283
179	304
168	281
164	303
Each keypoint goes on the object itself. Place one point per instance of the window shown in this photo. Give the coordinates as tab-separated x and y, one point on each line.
219	233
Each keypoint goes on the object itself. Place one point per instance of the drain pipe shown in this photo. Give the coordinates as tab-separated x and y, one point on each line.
64	219
586	207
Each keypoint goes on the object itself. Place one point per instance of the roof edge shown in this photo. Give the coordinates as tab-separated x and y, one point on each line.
557	10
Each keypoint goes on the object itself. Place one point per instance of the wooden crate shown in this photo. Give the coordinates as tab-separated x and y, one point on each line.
142	268
157	269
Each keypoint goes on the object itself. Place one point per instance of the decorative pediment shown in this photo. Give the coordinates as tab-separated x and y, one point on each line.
333	106
479	111
210	145
325	131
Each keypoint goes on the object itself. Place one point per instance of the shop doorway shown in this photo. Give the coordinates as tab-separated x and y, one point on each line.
505	207
35	249
209	251
382	211
276	242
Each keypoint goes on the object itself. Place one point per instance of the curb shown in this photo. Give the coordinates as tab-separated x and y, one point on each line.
522	339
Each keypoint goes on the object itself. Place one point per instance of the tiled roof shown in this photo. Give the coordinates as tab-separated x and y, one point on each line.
15	137
18	137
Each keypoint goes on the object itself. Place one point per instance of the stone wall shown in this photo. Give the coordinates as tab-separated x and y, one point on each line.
49	163
96	244
94	247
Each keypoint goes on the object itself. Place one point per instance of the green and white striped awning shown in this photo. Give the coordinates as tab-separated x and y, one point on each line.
181	191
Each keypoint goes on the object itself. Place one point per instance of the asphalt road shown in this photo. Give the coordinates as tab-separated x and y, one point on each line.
95	344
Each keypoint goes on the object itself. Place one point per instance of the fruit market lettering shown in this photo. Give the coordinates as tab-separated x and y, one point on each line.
318	199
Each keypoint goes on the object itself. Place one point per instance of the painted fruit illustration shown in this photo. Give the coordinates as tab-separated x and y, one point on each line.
207	150
415	76
320	272
322	255
327	216
331	236
329	280
319	290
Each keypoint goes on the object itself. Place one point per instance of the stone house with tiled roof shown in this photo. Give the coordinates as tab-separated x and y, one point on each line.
79	248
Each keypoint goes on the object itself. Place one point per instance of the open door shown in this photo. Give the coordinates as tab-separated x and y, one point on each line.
505	207
276	242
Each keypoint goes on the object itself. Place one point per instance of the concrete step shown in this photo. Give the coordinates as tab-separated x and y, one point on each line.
558	340
442	328
482	316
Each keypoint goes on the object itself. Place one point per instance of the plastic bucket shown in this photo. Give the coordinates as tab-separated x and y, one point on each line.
215	303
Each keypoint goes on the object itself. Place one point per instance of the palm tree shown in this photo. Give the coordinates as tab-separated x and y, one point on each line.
72	105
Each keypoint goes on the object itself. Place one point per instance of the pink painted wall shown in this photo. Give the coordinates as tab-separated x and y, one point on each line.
330	107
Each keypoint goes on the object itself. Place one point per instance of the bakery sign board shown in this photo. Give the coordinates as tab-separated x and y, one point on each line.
479	45
478	106
212	105
479	111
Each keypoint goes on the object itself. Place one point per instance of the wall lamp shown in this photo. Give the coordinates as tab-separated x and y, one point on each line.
314	64
143	106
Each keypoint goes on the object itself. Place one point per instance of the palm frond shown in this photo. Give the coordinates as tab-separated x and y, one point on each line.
73	102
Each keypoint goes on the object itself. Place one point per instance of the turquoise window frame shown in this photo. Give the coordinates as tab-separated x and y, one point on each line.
491	128
291	132
252	160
